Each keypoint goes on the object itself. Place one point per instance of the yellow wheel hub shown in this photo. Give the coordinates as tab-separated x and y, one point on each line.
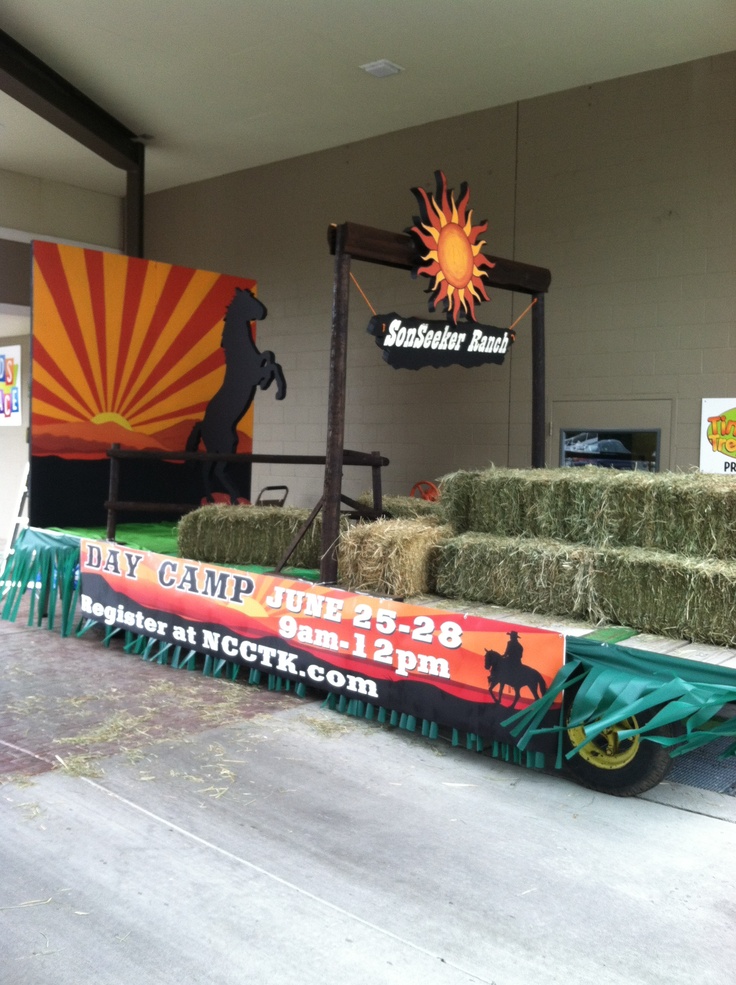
607	751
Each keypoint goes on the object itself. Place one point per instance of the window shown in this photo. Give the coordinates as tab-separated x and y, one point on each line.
633	450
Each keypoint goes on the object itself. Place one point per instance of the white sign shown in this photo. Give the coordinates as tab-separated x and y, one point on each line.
10	385
718	435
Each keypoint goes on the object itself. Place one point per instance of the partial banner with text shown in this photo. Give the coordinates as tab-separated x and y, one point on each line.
457	670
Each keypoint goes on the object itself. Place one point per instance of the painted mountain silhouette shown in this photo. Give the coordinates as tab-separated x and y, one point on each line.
83	439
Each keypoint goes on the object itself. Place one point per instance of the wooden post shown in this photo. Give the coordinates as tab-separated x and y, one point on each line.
133	206
377	488
335	411
112	495
538	395
298	537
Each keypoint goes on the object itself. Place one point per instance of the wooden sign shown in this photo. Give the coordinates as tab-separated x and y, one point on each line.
412	343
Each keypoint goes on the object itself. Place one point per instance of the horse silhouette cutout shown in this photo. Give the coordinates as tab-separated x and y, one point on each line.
246	369
506	672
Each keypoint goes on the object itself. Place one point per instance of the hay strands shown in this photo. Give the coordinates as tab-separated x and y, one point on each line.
30	902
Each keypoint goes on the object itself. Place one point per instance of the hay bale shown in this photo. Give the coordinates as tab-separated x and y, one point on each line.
530	575
520	503
694	514
681	513
684	513
648	590
668	594
223	534
597	506
506	502
455	490
393	558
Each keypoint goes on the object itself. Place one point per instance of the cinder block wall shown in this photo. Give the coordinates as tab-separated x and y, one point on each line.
628	189
55	209
624	189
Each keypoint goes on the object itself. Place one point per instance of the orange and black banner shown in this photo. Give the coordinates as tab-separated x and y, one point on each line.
457	670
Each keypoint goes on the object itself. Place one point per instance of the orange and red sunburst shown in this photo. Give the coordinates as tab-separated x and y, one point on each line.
453	256
124	350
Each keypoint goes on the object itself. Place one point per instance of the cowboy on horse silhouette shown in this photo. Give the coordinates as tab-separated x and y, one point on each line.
245	369
508	671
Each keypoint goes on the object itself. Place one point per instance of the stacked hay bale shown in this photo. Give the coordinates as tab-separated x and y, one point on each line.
681	513
523	573
656	552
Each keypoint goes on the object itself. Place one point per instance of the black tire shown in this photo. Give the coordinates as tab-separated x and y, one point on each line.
622	768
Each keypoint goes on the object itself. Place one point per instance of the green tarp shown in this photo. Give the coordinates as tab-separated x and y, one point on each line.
612	683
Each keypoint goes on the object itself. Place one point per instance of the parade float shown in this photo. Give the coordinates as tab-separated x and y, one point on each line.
143	380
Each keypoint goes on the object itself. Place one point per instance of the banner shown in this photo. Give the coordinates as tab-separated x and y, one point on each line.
453	669
718	435
10	412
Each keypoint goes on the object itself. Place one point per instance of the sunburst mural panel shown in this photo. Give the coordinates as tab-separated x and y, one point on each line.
125	351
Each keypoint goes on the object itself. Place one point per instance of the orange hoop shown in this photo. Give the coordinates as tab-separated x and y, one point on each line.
426	490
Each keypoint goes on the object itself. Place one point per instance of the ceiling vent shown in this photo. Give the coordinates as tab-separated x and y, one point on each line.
382	68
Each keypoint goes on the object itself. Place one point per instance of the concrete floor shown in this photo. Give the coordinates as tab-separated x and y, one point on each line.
163	827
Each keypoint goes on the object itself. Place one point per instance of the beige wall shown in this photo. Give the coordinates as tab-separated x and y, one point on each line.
628	190
624	189
52	209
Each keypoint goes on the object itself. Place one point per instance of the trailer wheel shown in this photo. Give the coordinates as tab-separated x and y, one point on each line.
622	767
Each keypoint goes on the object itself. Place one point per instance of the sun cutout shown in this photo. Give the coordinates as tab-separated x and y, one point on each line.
111	418
445	230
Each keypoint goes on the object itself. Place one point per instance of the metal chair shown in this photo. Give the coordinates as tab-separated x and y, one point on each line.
272	496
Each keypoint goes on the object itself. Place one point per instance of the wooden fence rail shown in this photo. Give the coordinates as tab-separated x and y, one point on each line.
373	460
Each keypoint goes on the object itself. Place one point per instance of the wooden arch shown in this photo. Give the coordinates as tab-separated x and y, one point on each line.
353	242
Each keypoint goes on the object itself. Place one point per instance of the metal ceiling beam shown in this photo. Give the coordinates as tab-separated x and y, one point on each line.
31	82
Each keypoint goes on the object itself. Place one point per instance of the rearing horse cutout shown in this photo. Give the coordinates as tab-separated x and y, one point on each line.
245	369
